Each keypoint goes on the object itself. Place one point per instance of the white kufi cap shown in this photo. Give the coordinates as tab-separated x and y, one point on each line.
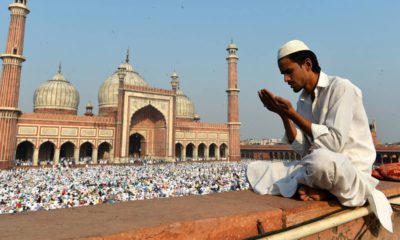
291	47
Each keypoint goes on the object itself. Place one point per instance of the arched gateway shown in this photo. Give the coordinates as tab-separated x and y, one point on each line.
148	133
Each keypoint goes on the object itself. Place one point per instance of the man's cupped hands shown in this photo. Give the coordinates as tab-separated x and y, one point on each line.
276	104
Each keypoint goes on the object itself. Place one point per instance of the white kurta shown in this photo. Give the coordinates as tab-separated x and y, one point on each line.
339	156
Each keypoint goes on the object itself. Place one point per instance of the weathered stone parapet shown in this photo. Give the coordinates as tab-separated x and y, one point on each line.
231	215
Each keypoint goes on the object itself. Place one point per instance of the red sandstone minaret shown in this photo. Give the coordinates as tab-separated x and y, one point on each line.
233	104
10	81
174	85
120	113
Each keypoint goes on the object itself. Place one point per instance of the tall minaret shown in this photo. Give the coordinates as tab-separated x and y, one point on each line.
10	81
233	104
175	87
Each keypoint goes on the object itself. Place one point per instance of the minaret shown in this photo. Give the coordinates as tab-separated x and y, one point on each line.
174	81
10	81
175	87
233	104
89	109
120	113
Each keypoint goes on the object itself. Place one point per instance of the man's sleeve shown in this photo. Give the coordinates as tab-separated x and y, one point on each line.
334	133
300	144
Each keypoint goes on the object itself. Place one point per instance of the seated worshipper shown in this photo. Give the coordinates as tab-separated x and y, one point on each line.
330	130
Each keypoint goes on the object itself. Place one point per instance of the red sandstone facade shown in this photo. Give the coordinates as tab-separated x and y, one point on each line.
134	121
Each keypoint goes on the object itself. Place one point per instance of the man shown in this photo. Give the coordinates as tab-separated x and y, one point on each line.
330	130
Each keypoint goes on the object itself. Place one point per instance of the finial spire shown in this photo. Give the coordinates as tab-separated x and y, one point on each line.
59	67
127	56
174	80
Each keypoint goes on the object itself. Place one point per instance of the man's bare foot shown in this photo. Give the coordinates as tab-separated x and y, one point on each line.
311	194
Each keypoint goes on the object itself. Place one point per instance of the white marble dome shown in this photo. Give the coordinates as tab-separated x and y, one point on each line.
108	93
184	105
56	93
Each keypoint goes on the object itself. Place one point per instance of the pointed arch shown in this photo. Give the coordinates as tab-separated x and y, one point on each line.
151	123
201	151
189	151
178	151
85	152
223	151
212	151
149	106
147	114
103	152
24	153
67	151
46	153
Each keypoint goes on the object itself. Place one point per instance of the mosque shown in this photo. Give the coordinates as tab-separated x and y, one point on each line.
135	120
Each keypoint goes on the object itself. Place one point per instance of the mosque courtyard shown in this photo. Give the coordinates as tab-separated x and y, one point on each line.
33	189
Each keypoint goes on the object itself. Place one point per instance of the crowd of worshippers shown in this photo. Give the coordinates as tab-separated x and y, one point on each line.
64	161
32	189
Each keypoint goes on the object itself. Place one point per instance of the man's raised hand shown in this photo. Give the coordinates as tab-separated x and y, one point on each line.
285	105
269	101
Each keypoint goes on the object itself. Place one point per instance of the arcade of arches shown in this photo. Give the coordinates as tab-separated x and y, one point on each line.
191	152
387	157
271	155
48	152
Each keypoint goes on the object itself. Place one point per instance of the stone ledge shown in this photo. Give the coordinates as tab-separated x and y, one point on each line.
231	215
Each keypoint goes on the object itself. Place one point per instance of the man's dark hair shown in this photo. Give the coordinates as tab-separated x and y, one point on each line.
301	56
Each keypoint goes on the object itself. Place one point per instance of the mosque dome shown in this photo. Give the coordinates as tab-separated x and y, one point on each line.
57	95
184	105
108	93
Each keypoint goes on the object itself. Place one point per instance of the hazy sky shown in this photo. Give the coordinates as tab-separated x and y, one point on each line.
358	40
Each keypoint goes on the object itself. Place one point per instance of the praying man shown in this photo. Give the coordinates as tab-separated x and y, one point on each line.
329	129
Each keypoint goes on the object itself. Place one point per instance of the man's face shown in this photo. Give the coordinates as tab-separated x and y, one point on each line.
293	74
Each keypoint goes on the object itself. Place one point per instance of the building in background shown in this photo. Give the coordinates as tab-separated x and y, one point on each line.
135	120
269	150
264	141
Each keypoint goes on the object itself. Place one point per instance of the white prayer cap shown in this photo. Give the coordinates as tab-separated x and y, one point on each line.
291	47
